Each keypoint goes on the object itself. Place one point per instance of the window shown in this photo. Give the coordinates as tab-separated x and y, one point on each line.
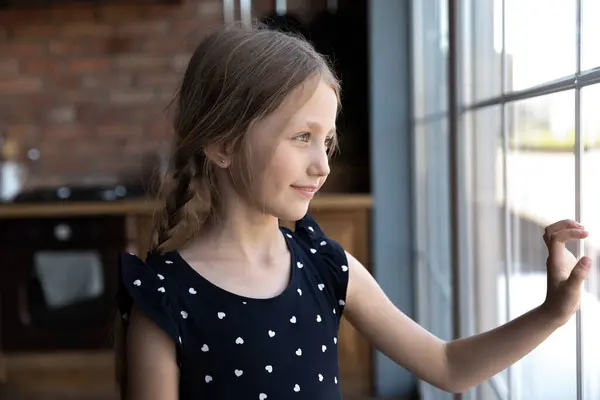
528	129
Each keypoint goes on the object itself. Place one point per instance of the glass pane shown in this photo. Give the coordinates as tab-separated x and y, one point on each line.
590	32
435	296
590	198
481	26
540	191
430	57
486	178
540	41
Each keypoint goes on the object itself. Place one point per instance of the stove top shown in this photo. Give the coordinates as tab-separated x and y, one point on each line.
80	194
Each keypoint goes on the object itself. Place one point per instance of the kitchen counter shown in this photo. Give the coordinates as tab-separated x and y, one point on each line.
146	207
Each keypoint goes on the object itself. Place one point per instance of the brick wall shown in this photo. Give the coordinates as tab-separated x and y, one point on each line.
88	85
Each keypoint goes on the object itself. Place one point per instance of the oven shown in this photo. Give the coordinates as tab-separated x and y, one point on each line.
58	280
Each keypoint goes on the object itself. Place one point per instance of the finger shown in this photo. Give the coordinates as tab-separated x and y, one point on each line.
559	226
579	272
561	237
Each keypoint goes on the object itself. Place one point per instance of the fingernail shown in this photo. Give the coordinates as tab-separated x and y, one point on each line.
586	262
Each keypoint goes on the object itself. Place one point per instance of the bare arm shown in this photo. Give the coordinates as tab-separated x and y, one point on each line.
455	366
152	370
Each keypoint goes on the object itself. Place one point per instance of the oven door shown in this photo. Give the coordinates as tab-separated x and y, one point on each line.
59	280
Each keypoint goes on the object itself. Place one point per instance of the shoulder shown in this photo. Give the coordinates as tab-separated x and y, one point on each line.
326	255
144	283
312	238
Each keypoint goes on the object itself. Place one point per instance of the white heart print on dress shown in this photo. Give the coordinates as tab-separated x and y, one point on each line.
221	315
296	388
238	372
299	264
160	277
313	251
323	348
184	315
192	290
137	282
204	348
269	368
262	396
299	352
318	318
342	303
335	380
168	262
161	289
239	341
323	243
345	268
320	378
334	340
288	235
321	286
293	320
208	379
310	228
299	291
271	333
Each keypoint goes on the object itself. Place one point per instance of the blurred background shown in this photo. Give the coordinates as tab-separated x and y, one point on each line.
467	127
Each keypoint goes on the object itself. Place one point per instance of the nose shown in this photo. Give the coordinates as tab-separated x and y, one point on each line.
319	165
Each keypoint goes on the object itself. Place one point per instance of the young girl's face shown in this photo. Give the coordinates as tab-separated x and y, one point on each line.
289	151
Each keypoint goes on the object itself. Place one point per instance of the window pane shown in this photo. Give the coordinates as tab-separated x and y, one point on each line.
540	41
540	191
435	293
486	176
481	26
590	32
590	198
430	57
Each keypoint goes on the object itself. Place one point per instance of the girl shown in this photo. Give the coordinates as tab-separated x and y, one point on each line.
229	305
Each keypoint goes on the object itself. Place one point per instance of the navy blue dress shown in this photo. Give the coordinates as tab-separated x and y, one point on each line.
231	347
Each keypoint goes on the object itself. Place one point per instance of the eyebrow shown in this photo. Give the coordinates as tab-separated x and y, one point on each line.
316	125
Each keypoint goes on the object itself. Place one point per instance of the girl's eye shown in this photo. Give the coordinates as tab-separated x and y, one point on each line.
304	137
329	142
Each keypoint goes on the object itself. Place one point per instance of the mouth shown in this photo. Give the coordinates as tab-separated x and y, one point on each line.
306	191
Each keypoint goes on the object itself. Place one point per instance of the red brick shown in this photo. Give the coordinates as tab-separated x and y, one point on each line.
119	12
57	132
9	67
62	82
61	114
21	49
144	28
141	61
122	130
109	80
87	30
42	66
20	85
158	79
132	97
74	46
35	31
88	65
70	13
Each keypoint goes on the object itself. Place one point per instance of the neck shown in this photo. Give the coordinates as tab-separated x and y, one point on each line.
242	234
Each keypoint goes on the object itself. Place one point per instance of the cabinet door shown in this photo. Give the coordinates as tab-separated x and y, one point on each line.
350	229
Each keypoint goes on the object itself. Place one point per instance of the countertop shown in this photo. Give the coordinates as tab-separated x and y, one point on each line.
146	207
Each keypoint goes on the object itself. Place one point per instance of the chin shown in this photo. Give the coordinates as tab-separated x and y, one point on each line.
291	212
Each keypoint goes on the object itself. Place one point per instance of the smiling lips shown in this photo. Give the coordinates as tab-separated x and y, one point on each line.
306	191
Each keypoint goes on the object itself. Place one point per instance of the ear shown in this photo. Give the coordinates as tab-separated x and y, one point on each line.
218	155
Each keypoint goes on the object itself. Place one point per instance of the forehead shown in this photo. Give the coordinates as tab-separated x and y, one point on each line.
312	105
